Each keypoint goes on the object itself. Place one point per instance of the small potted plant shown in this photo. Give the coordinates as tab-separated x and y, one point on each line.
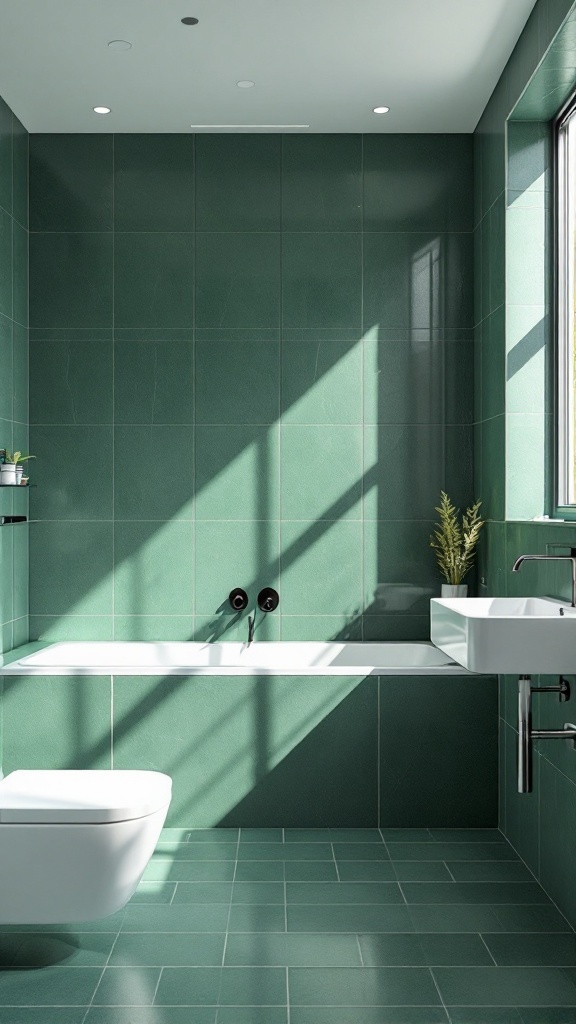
11	470
455	542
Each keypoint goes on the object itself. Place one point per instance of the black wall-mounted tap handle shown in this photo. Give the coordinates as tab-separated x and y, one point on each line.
238	599
268	600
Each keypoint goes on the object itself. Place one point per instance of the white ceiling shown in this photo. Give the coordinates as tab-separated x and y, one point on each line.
323	63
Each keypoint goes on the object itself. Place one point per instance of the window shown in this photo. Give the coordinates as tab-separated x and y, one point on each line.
566	306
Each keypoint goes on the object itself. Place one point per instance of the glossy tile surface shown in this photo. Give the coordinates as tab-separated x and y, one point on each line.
319	951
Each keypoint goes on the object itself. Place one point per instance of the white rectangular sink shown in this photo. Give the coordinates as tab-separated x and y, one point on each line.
506	635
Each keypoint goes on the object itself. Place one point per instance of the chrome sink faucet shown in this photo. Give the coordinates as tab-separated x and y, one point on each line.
550	558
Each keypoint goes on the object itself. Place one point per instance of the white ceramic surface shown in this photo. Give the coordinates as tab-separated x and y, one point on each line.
259	658
506	635
71	872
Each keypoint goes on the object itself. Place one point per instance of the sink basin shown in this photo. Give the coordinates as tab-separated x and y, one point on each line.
506	635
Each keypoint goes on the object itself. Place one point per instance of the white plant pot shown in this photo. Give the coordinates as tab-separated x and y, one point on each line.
454	590
7	474
19	474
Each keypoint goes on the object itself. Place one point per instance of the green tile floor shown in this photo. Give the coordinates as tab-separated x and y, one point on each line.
321	926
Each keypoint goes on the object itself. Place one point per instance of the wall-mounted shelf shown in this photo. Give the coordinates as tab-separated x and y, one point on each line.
21	487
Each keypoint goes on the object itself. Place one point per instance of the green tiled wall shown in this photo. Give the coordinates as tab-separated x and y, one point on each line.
276	751
513	339
251	364
13	370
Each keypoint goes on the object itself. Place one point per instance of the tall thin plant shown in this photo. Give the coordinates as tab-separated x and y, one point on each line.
455	541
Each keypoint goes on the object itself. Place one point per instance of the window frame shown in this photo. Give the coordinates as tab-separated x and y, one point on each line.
564	433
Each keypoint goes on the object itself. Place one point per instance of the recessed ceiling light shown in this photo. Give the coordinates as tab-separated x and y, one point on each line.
119	44
101	110
245	84
381	110
189	21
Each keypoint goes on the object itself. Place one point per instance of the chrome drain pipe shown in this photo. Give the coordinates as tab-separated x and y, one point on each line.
526	734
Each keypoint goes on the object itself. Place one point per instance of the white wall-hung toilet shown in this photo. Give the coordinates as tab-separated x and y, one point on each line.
74	844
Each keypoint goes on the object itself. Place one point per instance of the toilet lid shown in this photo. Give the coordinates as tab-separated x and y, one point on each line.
82	797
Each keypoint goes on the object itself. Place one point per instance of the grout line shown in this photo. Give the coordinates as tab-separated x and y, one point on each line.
152	1002
448	869
113	466
440	996
172	898
481	937
362	964
230	906
194	391
285	897
335	862
363	439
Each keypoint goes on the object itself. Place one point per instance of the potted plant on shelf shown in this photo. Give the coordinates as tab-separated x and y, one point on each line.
455	543
11	470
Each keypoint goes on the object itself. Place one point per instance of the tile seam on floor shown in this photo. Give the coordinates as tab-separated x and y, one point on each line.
338	879
229	911
487	946
437	987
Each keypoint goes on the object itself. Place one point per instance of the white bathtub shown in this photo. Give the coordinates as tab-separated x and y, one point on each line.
285	658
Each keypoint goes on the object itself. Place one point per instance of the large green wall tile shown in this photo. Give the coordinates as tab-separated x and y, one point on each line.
418	279
64	454
458	786
322	376
154	627
321	279
322	182
237	472
307	549
55	722
71	182
149	578
246	387
153	182
137	450
72	568
71	279
400	571
238	279
430	191
418	376
238	182
406	466
55	628
234	554
71	376
331	488
153	376
153	279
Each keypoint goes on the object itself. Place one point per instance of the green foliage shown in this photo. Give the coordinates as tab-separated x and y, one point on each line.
17	458
455	542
